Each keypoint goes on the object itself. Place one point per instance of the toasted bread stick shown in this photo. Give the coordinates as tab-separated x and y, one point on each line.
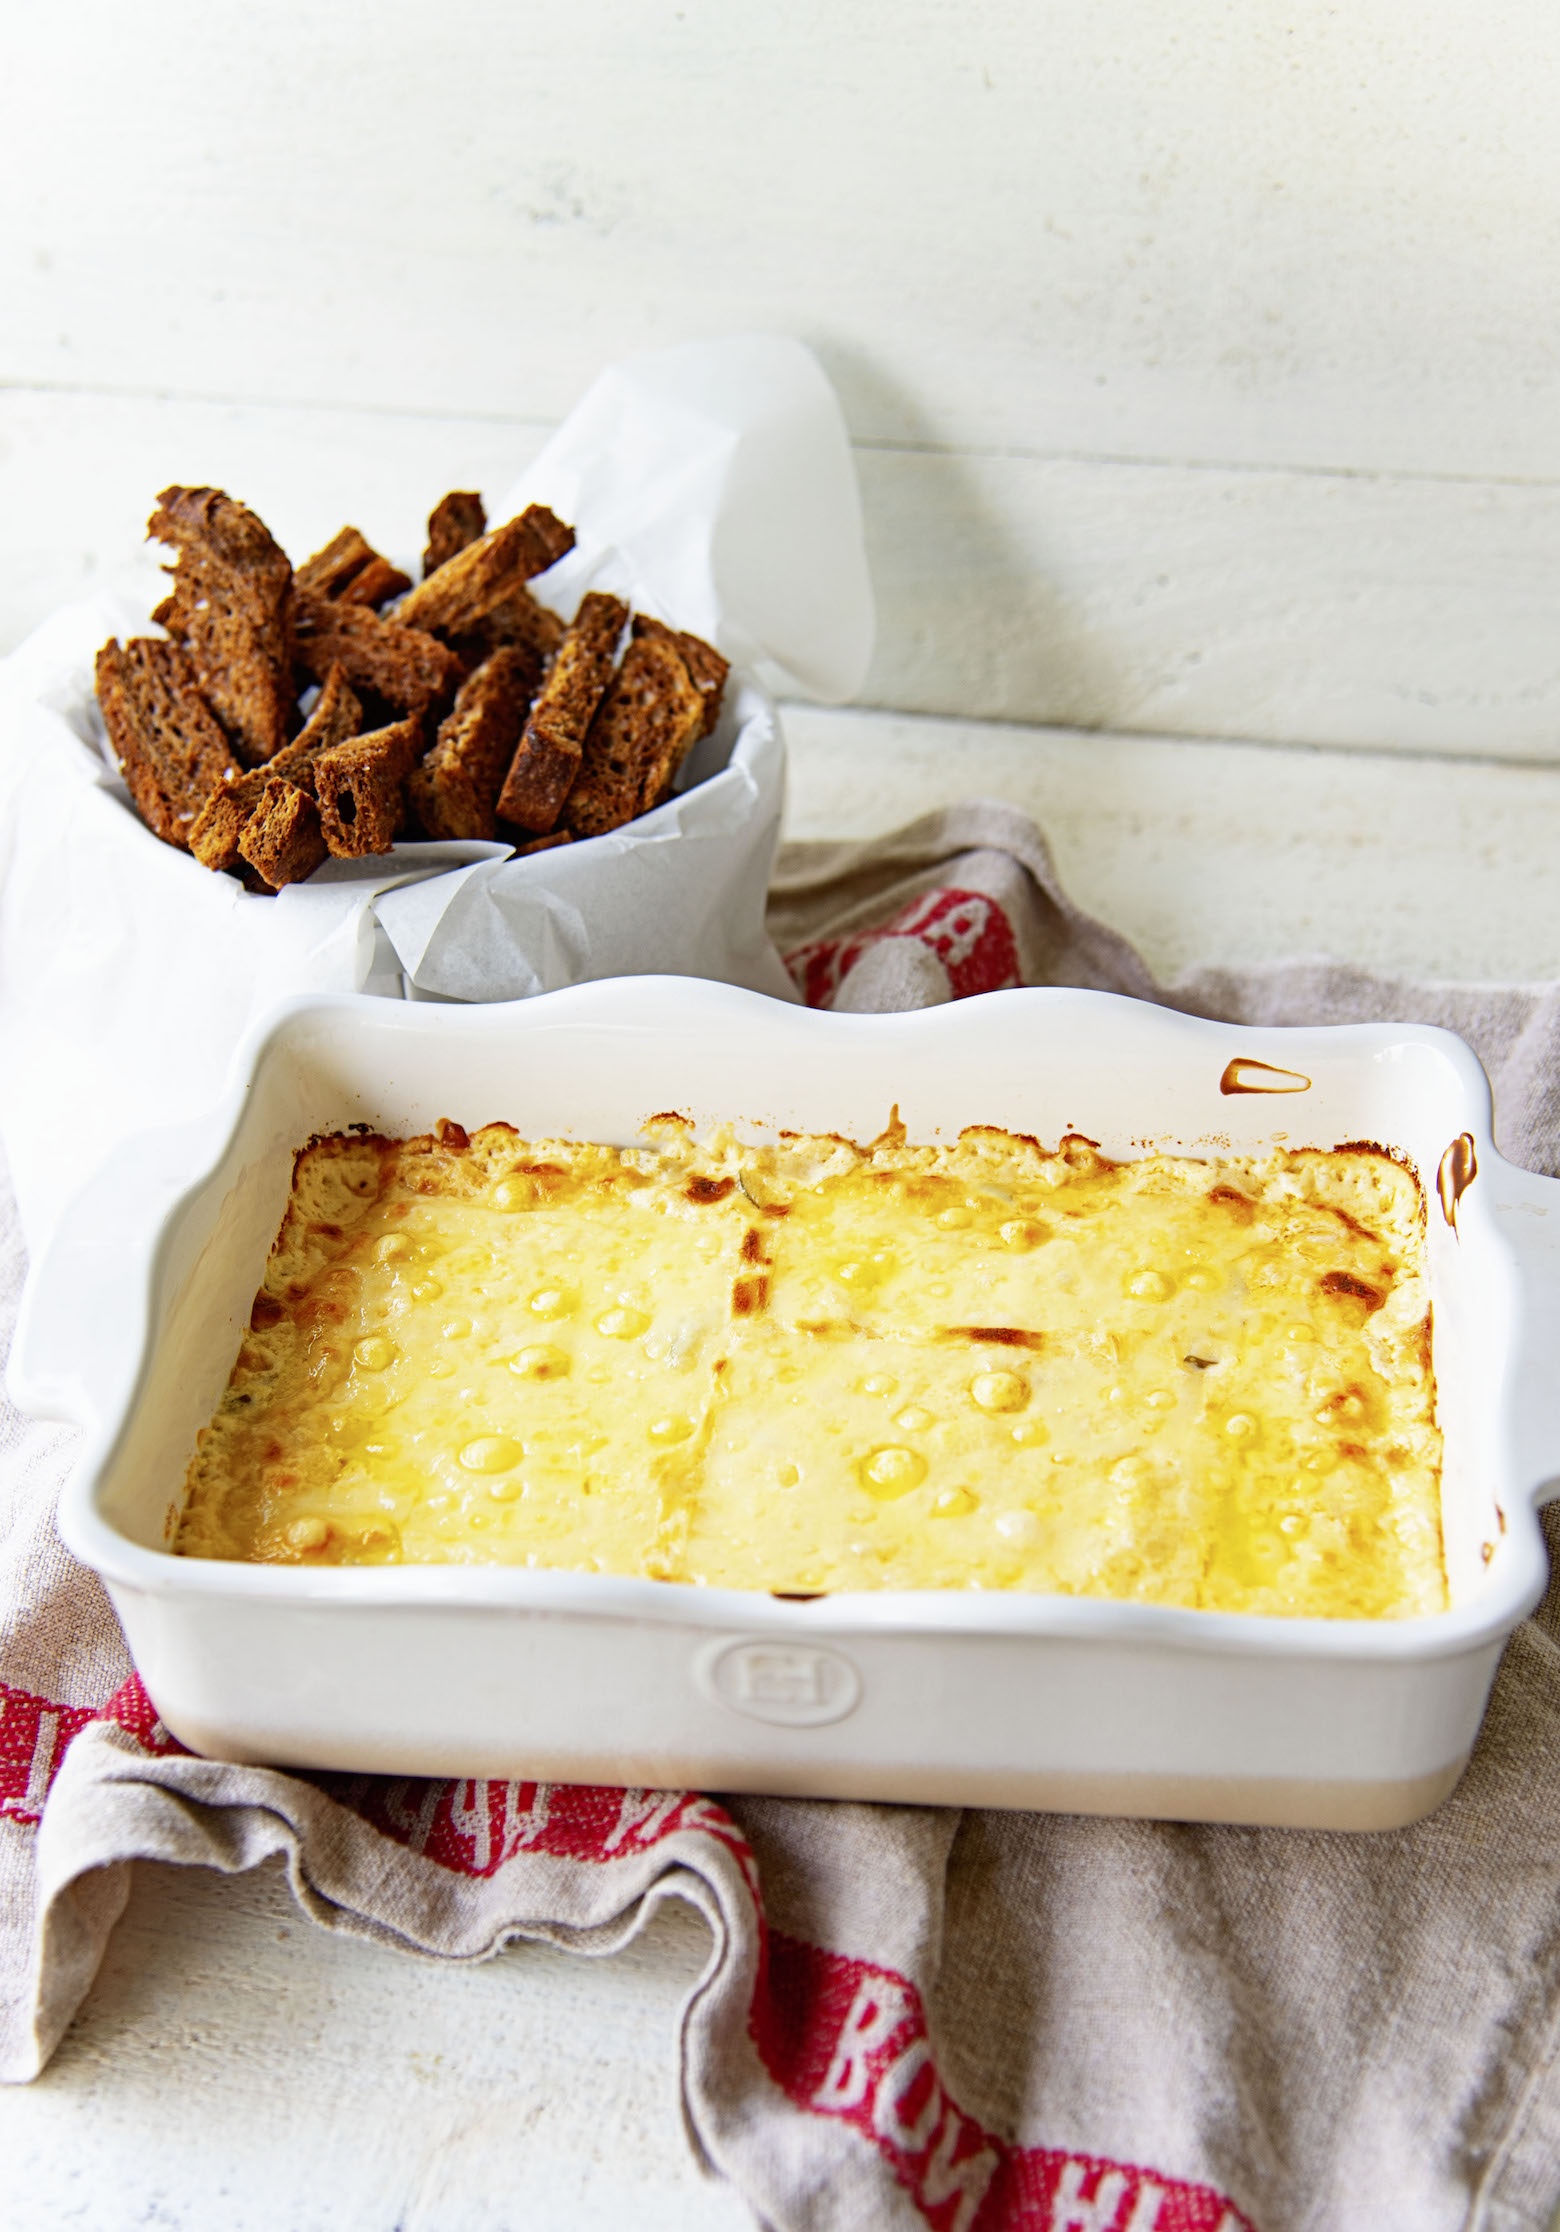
466	587
282	840
456	788
351	570
336	715
214	839
378	582
704	663
548	759
455	522
649	720
231	608
165	736
360	787
518	620
217	828
405	667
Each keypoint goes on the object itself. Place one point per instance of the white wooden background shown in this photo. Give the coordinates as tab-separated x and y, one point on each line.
1202	359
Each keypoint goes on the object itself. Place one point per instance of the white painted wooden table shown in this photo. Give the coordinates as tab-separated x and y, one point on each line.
234	2067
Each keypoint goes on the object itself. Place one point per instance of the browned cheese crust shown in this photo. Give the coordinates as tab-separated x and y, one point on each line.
706	667
548	760
350	569
456	788
360	788
214	839
455	522
231	608
467	587
163	733
645	726
407	668
282	839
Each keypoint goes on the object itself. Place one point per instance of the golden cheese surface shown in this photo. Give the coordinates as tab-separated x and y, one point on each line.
820	1366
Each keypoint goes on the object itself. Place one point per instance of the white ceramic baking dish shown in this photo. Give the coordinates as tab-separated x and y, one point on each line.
135	1314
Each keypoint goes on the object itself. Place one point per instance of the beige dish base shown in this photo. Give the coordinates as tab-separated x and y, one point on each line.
1268	1802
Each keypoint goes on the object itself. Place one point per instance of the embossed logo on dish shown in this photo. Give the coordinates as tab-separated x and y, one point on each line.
788	1685
1459	1168
1245	1076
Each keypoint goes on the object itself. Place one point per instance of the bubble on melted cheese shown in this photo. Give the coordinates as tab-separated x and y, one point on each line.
822	1366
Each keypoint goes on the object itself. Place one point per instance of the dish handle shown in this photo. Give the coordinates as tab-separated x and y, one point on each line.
81	1327
1526	1210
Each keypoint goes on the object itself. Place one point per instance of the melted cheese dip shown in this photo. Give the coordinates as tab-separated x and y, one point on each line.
823	1366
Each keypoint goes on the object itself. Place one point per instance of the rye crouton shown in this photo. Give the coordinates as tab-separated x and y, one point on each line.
335	715
360	788
545	766
214	839
282	839
456	521
648	722
231	609
352	571
466	587
455	791
706	668
520	621
164	734
217	828
406	668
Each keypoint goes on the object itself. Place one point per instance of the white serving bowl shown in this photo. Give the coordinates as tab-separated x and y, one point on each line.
136	1311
